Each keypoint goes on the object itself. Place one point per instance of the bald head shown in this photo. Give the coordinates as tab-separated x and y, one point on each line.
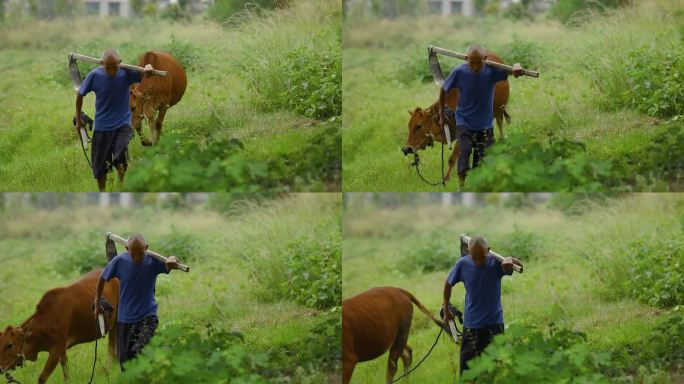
136	246
478	247
476	57
111	61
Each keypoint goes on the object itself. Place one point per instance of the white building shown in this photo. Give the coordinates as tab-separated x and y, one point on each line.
451	7
118	8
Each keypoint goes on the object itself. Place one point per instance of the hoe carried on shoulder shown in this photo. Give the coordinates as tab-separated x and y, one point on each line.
465	239
120	240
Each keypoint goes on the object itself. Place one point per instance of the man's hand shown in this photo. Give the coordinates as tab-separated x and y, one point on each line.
79	124
517	70
149	71
448	316
172	263
507	264
96	307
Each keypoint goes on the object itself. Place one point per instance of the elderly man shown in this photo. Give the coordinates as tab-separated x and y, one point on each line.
481	275
137	273
475	113
113	131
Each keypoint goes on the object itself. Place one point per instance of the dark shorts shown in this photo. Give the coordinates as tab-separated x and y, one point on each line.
475	341
132	337
110	148
474	142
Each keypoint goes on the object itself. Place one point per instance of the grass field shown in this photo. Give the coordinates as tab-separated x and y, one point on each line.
566	279
40	151
384	60
220	291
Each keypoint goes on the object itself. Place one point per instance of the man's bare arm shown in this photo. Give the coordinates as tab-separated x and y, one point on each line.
79	107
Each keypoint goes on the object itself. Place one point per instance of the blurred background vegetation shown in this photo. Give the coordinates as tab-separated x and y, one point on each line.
260	305
600	301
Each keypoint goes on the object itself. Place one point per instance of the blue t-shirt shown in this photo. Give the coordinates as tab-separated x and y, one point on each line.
136	285
112	109
476	95
483	290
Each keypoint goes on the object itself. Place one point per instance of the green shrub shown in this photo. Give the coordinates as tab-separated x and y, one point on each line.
312	84
521	244
179	164
662	157
82	254
180	354
428	252
313	272
321	348
413	66
526	52
654	271
655	79
526	355
184	245
189	55
175	12
527	165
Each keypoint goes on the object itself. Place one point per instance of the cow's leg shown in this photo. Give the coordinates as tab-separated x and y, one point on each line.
407	357
65	369
152	123
397	349
348	364
159	123
452	162
56	355
112	341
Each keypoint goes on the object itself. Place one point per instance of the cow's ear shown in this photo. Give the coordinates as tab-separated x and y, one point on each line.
428	111
410	112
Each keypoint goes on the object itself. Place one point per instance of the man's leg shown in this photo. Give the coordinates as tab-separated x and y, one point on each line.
123	343
468	347
465	142
142	334
120	151
101	157
479	150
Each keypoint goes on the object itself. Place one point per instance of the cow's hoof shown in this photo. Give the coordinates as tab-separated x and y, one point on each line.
146	142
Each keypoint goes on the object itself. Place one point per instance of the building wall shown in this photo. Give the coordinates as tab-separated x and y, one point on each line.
120	8
452	7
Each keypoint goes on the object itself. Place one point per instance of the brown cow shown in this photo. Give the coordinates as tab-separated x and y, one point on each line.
424	123
373	322
151	97
63	318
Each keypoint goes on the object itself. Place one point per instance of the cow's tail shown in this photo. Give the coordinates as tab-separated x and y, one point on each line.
427	312
505	114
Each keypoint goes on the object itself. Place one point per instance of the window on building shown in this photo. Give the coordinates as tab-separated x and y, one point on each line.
114	8
456	8
92	7
435	6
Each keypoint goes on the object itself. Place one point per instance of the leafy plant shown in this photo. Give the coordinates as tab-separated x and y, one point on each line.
184	245
526	355
82	254
655	78
557	164
526	52
178	164
522	244
313	270
654	273
189	55
179	354
564	10
313	82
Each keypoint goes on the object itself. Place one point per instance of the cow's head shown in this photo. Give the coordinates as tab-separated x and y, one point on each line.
422	130
137	103
12	341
